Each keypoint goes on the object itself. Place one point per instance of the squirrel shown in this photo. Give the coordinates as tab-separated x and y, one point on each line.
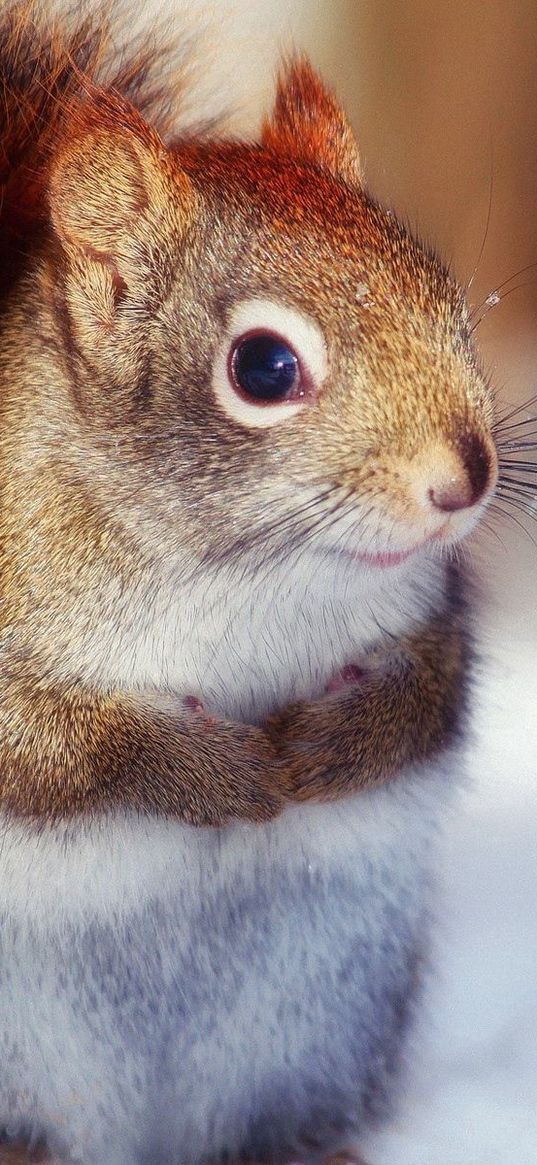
244	429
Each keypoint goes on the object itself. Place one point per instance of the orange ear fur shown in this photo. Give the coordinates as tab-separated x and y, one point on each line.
113	184
308	124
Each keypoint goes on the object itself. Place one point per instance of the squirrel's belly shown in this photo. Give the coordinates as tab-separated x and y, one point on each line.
239	990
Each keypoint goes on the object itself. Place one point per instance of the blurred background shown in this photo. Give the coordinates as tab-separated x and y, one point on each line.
443	97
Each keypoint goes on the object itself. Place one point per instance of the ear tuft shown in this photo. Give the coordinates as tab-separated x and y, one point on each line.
308	124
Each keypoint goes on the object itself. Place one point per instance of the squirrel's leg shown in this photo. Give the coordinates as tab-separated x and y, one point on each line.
401	711
66	750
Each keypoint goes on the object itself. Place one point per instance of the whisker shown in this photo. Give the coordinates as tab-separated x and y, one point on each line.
508	455
283	525
527	478
526	404
489	529
521	481
302	542
499	286
511	498
524	471
499	429
494	303
506	480
495	507
514	494
487	224
287	526
518	447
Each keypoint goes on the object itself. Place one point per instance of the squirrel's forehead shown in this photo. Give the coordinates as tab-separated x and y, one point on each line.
316	227
321	216
257	186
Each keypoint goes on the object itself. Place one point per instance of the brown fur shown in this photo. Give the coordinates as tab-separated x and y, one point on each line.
47	64
308	123
89	369
417	699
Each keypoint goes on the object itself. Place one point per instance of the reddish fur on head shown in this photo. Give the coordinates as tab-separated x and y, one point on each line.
309	124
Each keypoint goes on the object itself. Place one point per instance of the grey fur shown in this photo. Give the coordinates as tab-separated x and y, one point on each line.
273	1030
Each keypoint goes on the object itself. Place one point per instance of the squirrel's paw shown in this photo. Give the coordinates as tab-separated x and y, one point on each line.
375	663
348	676
194	704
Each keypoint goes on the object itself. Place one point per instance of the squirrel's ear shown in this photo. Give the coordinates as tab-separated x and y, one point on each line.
308	123
115	193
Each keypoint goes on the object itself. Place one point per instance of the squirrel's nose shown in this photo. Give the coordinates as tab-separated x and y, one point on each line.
454	476
469	477
451	495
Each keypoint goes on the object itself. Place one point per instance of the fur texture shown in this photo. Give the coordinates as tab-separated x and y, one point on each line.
180	994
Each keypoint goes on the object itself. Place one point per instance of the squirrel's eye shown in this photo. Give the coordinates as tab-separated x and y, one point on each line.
265	369
260	377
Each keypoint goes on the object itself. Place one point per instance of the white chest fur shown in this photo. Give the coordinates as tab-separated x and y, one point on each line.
249	646
245	652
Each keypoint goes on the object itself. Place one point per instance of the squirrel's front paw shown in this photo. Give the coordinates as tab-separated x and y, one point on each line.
194	704
346	678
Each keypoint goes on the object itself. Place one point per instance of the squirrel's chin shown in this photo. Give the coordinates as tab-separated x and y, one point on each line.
449	535
384	559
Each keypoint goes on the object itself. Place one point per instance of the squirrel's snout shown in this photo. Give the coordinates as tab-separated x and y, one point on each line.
468	484
450	478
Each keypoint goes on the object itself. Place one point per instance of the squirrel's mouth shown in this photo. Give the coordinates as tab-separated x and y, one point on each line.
387	558
384	559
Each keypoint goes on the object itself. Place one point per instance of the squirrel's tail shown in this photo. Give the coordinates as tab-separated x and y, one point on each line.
47	63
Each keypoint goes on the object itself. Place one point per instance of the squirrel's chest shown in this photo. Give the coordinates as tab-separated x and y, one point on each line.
247	652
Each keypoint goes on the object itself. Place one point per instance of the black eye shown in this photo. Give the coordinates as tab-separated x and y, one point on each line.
265	368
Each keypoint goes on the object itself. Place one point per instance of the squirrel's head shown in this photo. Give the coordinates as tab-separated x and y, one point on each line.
256	355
